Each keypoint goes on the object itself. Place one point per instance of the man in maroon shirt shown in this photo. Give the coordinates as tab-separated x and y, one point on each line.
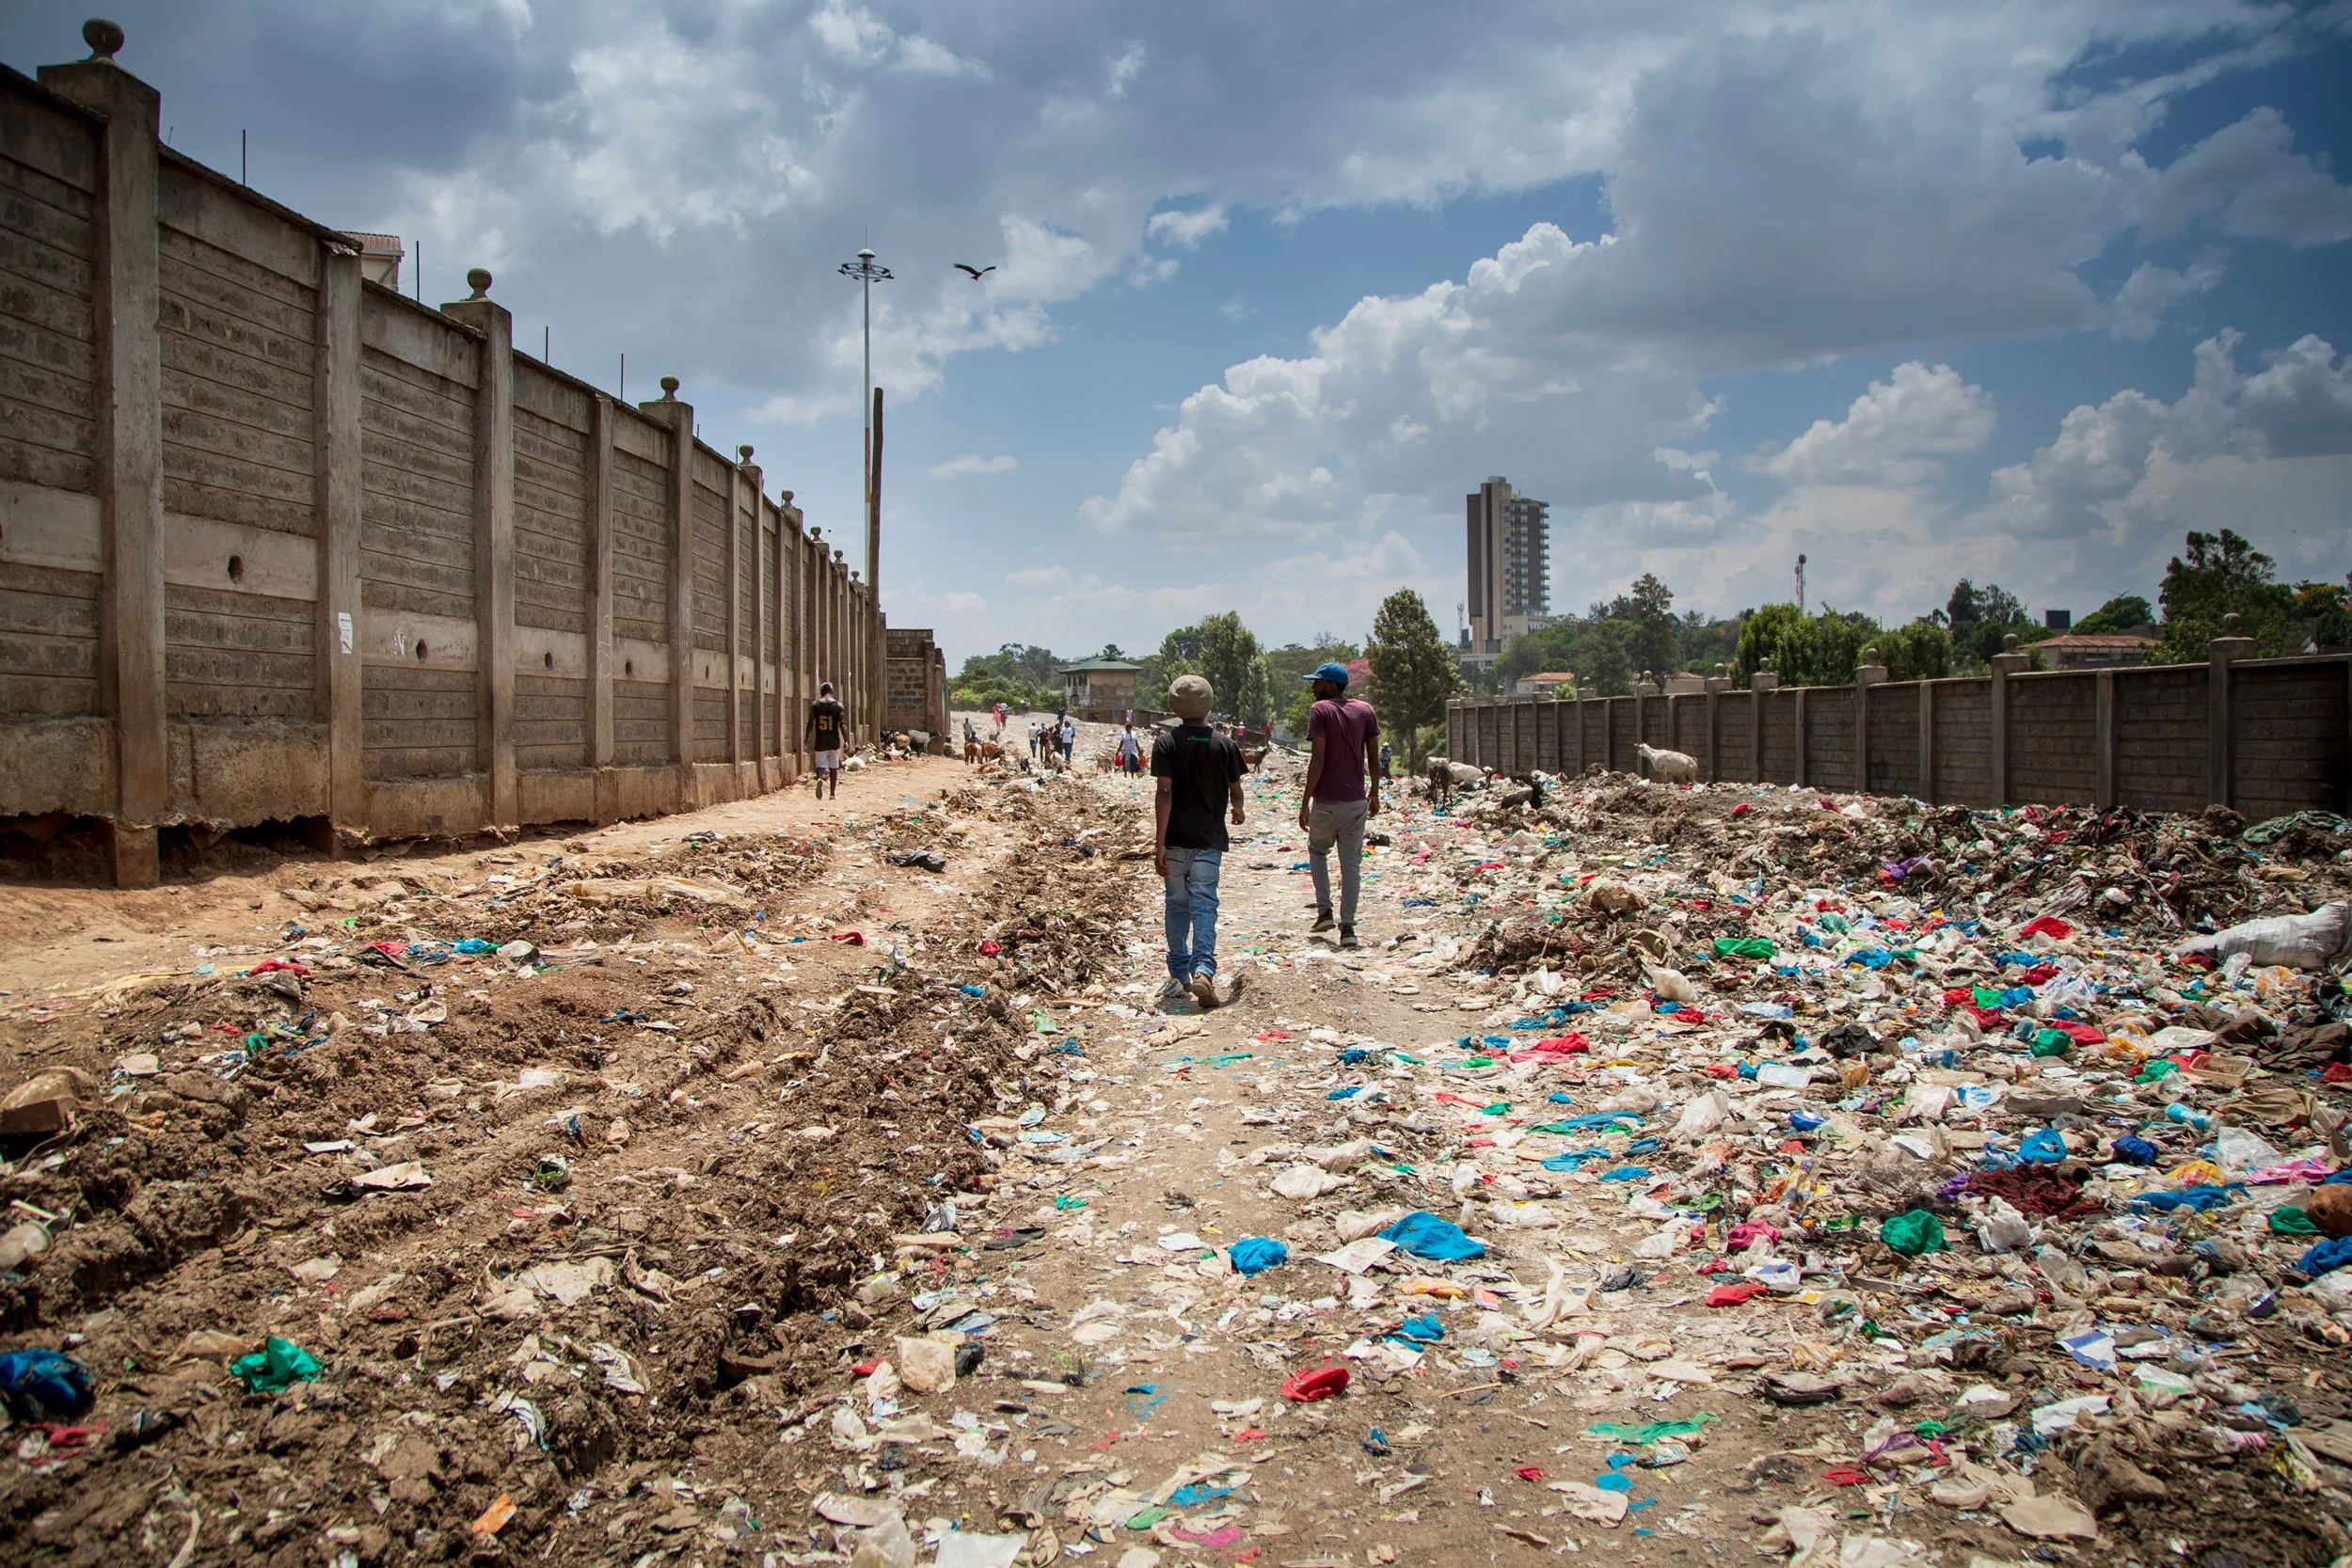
1342	790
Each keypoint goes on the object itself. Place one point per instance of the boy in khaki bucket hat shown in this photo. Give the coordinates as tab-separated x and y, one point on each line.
1198	781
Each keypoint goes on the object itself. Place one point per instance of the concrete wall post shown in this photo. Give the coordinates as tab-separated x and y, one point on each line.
1867	674
761	571
1758	683
127	470
737	567
600	531
336	398
1927	741
679	501
1804	731
2004	665
494	544
2103	741
2220	719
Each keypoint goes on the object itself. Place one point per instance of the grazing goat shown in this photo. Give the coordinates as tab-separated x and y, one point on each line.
1669	766
1446	776
972	751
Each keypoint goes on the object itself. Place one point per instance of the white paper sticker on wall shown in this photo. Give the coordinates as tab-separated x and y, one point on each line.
342	625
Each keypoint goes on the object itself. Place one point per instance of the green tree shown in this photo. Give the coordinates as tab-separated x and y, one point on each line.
2123	612
1413	668
1179	654
1759	632
2223	575
1255	703
1603	666
2325	609
1921	651
1655	643
1228	648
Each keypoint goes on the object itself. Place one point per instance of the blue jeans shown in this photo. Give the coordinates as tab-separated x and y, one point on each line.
1192	911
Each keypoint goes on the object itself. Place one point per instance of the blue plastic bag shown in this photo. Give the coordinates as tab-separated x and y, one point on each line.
2327	1256
44	1383
2043	1147
1423	1234
1254	1254
1424	1330
2135	1151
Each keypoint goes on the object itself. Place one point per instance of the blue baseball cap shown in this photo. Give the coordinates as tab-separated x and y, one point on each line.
1335	673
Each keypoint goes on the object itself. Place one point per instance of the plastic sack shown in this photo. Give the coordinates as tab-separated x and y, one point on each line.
277	1364
2043	1147
2000	1227
1254	1254
2299	941
1700	1118
2241	1150
1913	1232
43	1382
1425	1235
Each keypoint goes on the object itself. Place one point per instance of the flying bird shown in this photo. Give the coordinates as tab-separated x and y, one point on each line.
975	273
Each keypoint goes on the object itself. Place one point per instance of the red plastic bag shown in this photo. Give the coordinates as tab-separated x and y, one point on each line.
855	939
2046	926
1734	1295
1309	1385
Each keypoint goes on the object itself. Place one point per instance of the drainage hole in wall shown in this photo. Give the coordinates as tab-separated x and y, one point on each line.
236	568
628	667
419	650
549	660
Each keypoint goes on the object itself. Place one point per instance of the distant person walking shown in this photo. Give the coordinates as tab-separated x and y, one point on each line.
828	734
1199	774
1069	739
1130	750
1336	803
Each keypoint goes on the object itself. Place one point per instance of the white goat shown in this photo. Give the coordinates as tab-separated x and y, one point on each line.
1670	766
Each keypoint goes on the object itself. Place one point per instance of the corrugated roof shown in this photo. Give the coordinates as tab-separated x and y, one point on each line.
2097	640
1085	664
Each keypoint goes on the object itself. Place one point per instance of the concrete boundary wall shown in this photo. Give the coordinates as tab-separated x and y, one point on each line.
2266	737
281	545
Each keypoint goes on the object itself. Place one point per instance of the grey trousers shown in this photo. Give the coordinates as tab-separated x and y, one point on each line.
1337	823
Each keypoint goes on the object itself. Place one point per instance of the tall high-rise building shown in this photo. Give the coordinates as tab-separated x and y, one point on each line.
1510	564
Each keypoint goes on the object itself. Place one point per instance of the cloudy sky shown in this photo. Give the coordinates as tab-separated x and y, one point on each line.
2019	292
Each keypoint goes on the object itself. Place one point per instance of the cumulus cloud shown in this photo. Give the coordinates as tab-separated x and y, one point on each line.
2139	306
1186	229
2247	179
973	463
1886	436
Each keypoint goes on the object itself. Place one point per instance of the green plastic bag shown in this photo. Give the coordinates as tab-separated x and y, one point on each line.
1744	947
277	1364
2292	1221
2051	1042
2157	1070
1643	1434
1912	1234
1987	999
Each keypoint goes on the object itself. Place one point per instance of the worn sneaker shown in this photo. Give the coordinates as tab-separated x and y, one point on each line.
1175	996
1348	936
1323	922
1204	990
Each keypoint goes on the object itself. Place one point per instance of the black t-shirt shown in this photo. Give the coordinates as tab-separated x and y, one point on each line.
1203	766
827	715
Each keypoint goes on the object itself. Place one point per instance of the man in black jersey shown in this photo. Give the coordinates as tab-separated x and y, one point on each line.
1199	773
828	733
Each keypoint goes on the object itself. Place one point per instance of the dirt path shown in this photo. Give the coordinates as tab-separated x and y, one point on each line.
695	1232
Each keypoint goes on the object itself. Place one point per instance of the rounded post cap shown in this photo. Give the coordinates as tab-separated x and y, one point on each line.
784	495
477	279
1869	655
744	453
669	388
2231	621
2008	643
814	531
104	38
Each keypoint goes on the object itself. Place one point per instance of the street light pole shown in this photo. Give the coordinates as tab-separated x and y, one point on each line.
866	272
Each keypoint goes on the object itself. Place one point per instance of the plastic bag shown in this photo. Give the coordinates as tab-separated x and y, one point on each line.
1254	1254
1913	1232
43	1382
277	1364
1425	1235
2301	941
2241	1150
